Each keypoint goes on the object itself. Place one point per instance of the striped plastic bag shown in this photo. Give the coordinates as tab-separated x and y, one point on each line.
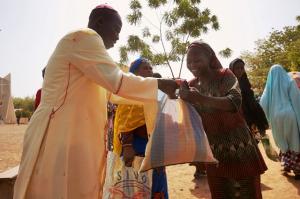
179	136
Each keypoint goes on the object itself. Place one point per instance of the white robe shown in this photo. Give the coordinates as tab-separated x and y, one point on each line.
64	153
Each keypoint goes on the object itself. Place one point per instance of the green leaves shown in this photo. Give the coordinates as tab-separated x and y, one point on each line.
181	21
134	18
146	32
26	106
135	5
156	3
136	15
195	1
123	54
137	45
215	23
179	47
155	39
280	47
193	21
159	59
169	35
226	53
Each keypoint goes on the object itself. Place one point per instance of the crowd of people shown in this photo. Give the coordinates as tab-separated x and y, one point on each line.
64	152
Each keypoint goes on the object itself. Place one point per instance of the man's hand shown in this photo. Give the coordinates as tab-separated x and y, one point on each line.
168	86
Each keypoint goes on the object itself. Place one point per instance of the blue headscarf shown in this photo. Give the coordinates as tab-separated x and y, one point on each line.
136	64
281	103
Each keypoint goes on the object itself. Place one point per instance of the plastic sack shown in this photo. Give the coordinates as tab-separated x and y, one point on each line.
126	182
178	137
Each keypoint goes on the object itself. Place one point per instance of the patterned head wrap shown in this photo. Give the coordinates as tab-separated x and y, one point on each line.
214	62
136	64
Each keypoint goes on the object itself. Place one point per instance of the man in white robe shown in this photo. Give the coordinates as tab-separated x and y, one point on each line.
64	153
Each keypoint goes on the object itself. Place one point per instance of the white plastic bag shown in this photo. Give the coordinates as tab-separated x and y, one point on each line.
126	182
179	136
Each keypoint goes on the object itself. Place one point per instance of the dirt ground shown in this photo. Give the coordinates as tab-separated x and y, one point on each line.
11	139
180	177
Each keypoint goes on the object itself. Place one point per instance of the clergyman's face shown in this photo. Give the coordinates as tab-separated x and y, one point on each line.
197	61
110	29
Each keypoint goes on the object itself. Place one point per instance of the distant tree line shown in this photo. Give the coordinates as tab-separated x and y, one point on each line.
24	106
279	47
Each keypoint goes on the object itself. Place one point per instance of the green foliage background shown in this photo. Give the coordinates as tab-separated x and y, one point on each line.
178	22
25	106
279	47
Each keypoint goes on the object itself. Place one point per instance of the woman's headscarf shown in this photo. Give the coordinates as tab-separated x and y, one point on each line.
136	64
128	117
243	81
276	91
214	62
253	112
281	95
280	89
236	60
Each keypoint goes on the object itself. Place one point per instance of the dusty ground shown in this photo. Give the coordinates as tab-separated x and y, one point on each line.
274	184
180	178
11	139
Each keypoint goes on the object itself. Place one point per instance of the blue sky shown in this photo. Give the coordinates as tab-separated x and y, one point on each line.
31	29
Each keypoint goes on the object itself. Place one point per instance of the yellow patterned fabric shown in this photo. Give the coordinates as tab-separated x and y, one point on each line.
127	118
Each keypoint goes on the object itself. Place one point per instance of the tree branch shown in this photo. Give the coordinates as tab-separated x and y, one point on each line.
149	21
163	45
181	65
